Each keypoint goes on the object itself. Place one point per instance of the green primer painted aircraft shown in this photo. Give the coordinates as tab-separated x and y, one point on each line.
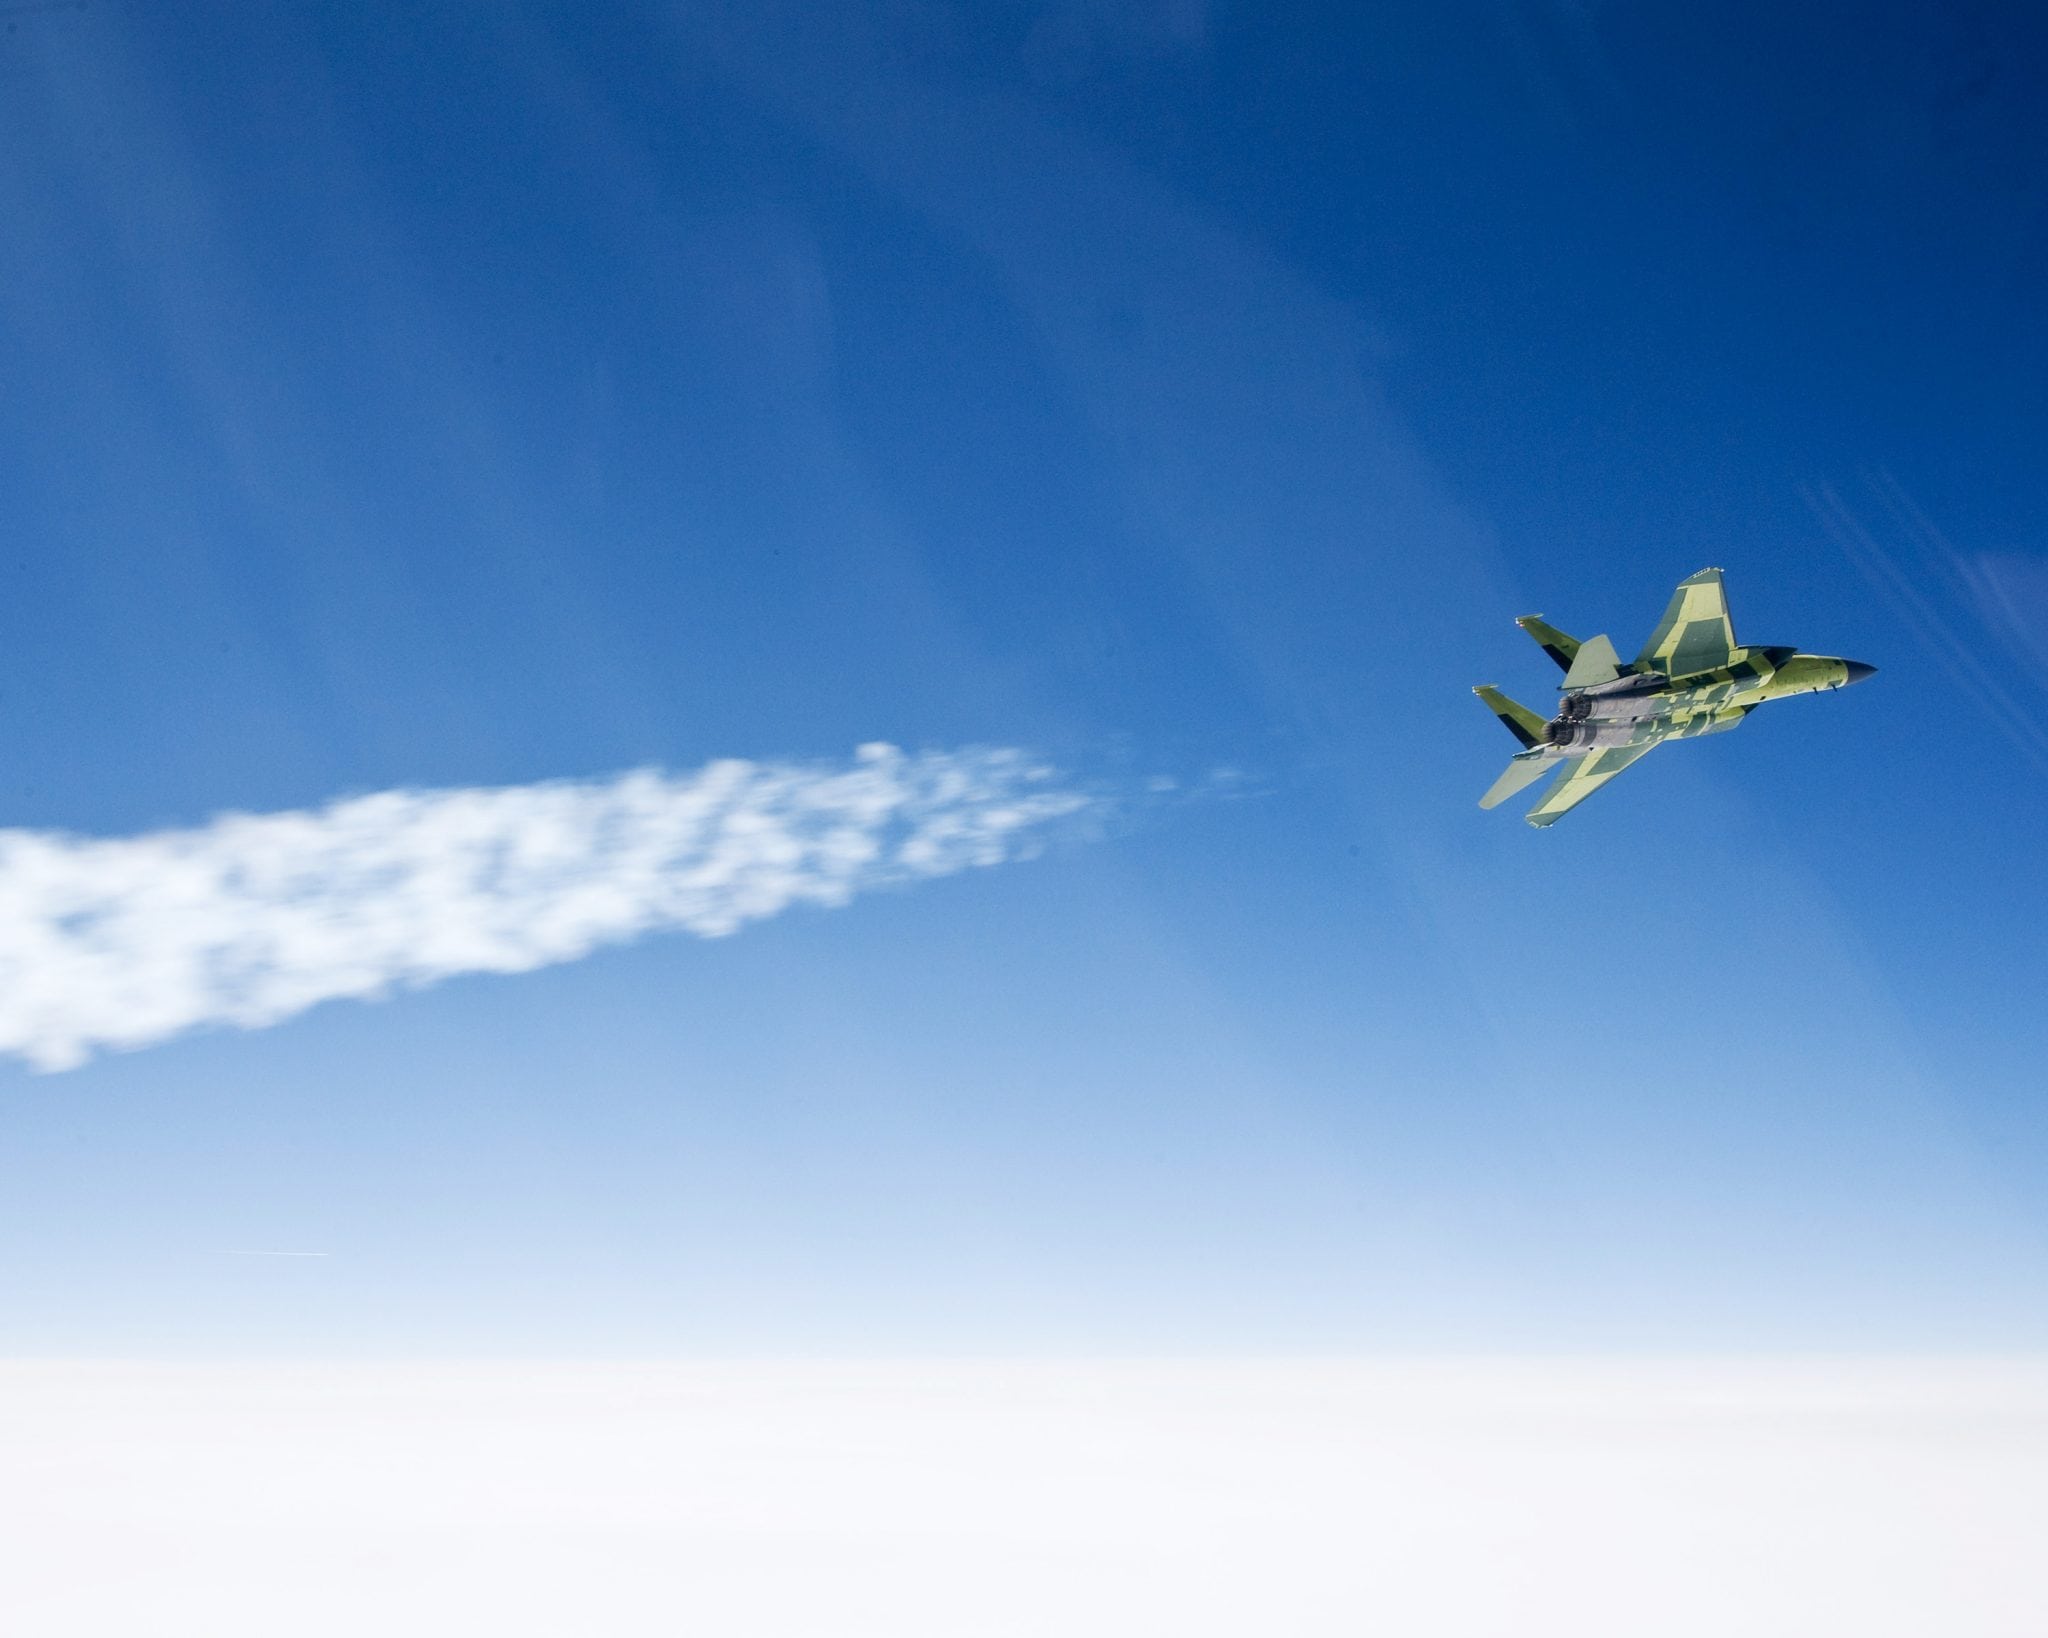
1691	678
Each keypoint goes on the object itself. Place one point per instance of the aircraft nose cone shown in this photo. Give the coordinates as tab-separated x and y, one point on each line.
1857	671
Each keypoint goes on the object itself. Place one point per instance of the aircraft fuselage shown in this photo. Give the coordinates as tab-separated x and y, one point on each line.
1691	678
1641	709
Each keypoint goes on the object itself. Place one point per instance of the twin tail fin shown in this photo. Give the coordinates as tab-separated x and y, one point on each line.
1553	642
1519	720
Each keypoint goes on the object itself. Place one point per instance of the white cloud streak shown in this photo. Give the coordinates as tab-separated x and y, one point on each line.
117	943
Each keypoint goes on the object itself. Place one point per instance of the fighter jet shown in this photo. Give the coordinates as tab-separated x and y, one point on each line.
1691	678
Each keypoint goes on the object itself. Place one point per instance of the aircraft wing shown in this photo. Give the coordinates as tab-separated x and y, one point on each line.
1580	779
1695	633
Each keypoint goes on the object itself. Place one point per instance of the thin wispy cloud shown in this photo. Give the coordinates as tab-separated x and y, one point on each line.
2011	592
1909	577
113	943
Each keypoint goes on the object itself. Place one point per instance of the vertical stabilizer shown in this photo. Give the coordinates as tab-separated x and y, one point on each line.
1556	644
1594	664
1523	723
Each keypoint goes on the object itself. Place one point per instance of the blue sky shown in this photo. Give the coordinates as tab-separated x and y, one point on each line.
498	394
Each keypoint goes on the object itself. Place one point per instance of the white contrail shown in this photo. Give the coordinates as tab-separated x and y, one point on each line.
115	943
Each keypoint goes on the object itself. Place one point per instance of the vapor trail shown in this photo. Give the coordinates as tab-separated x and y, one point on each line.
115	943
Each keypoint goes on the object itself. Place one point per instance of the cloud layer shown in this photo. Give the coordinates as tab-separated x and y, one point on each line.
112	944
1580	1498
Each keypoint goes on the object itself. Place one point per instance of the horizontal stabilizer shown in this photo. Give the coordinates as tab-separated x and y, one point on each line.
1523	723
1553	642
1594	664
1581	778
1519	775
